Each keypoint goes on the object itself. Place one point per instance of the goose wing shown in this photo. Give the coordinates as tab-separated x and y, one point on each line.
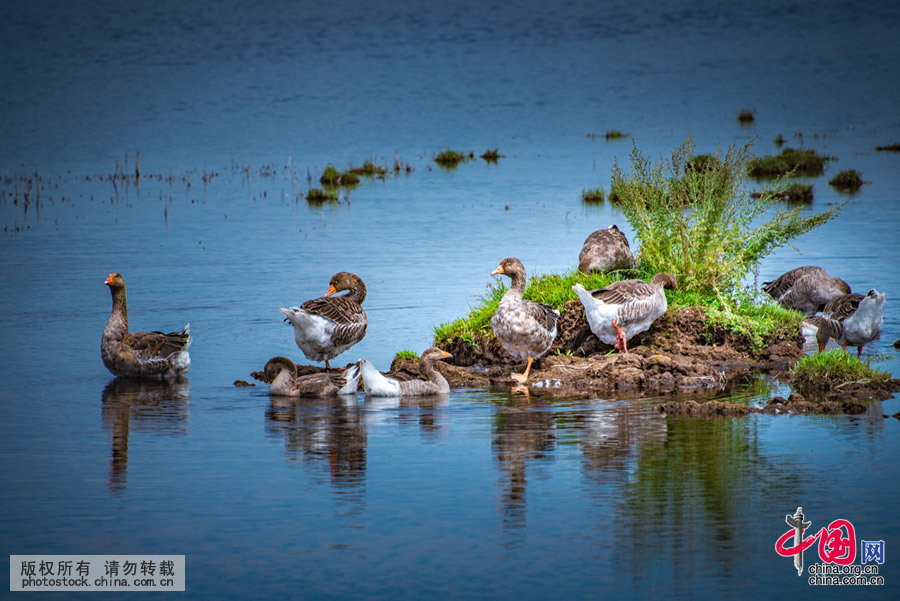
346	313
157	344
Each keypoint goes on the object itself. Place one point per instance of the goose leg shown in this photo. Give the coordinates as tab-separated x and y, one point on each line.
821	346
620	345
522	378
858	351
327	366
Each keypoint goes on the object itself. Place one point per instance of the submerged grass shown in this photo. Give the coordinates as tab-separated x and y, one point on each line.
594	195
790	161
449	158
849	180
834	368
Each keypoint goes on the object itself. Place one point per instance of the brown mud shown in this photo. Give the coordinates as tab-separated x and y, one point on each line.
681	354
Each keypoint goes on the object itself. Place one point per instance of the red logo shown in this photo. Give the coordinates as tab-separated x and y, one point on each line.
837	541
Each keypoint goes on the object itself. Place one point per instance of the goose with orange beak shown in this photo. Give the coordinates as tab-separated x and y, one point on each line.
140	354
327	326
524	328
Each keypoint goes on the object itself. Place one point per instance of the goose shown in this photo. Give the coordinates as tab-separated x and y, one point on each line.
851	319
140	354
524	328
326	327
806	289
623	309
282	373
429	382
604	251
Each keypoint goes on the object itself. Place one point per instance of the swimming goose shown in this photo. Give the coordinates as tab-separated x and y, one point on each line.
806	289
429	382
282	373
625	308
140	354
604	251
326	327
851	319
524	328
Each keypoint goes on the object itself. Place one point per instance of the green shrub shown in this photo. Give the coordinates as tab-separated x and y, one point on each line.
701	224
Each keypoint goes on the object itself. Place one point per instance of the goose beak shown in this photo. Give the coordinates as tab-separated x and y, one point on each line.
498	271
109	280
446	355
331	290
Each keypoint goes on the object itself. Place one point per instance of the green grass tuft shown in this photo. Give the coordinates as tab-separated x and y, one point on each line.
849	180
595	195
332	177
833	368
790	161
407	354
368	169
318	196
449	158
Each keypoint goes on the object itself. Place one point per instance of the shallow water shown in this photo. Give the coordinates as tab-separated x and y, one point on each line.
479	495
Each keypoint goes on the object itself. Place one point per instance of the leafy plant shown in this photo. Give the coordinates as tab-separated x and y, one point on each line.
701	224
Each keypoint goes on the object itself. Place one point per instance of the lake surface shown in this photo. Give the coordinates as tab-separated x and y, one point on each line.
234	108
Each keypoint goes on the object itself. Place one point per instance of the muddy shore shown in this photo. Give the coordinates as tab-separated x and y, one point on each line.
681	354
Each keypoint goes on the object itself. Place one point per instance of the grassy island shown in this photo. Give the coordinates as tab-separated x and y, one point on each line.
693	217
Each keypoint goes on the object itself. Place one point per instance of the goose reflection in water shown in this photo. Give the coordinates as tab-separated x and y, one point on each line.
523	432
155	406
330	430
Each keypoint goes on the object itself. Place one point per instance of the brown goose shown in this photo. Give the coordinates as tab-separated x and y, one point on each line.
429	382
604	251
619	311
524	328
806	289
140	354
326	327
282	373
851	319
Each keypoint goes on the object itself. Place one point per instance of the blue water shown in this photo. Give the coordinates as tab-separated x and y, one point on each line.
480	495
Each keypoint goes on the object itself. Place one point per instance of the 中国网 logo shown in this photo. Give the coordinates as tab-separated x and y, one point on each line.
837	552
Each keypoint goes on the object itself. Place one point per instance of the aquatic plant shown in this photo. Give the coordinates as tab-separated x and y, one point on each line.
594	195
849	180
614	134
318	195
491	156
790	161
779	141
793	192
832	369
333	177
449	158
889	148
703	226
369	169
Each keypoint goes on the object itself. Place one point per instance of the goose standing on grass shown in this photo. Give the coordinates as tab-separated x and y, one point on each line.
429	382
282	373
623	309
807	289
851	319
326	327
140	354
604	251
524	328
